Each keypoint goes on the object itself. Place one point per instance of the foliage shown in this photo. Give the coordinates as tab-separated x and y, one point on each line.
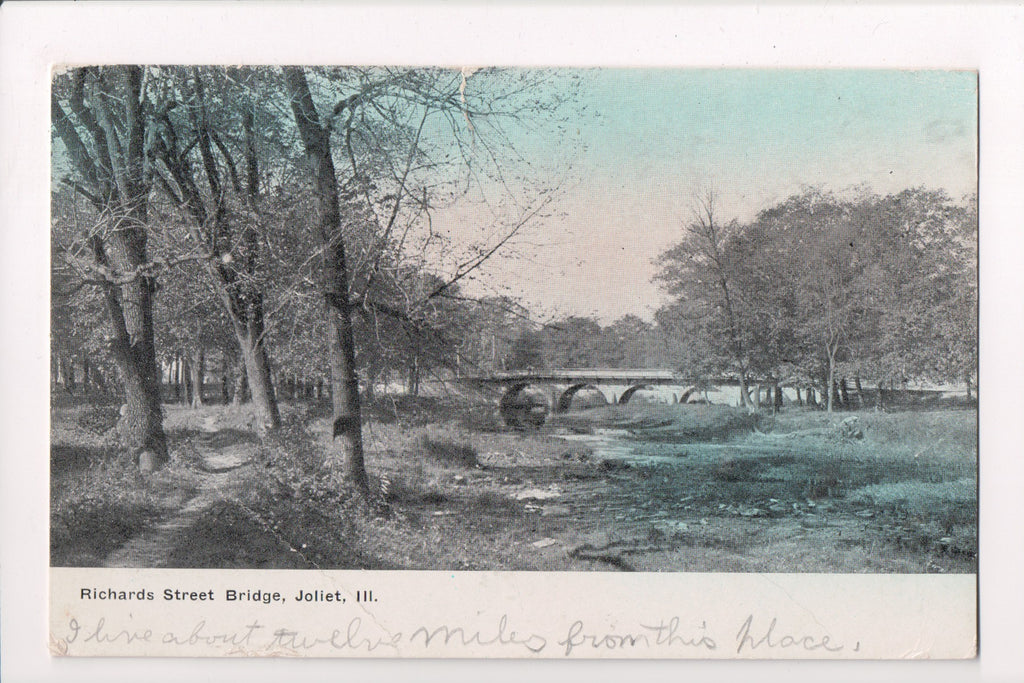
445	450
822	286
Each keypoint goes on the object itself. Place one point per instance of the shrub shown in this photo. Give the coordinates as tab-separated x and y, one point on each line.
483	419
447	451
99	419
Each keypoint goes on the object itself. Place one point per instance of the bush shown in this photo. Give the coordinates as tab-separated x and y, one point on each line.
483	419
447	451
99	419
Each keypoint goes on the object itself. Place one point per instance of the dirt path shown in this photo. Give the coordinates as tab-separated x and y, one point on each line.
223	469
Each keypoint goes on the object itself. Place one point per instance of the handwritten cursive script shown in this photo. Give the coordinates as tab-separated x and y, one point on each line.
772	638
658	637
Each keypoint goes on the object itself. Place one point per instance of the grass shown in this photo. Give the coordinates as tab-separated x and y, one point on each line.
448	451
727	492
911	480
948	435
297	515
272	534
98	499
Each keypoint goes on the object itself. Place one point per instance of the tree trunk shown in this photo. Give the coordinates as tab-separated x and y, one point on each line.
176	376
143	419
225	395
238	397
967	381
70	380
777	401
414	377
373	373
744	397
258	375
186	380
844	393
812	397
131	315
830	383
198	366
799	400
347	423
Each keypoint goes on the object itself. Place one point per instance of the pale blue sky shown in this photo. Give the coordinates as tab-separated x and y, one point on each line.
651	137
747	128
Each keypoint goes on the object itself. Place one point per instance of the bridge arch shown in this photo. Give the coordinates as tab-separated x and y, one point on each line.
511	394
628	393
518	410
565	399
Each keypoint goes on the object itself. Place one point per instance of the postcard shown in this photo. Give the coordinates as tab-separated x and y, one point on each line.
513	362
366	354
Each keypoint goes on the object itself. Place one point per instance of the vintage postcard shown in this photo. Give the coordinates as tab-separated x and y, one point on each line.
388	361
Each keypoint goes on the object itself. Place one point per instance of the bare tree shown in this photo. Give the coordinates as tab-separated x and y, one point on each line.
334	281
387	123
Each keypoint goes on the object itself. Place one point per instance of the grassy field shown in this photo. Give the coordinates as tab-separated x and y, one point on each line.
686	488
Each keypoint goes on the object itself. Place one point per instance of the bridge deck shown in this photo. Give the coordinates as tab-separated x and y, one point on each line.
573	376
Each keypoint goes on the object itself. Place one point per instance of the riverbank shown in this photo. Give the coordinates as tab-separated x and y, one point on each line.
650	488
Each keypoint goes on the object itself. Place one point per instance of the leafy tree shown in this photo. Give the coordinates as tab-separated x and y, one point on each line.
527	351
701	274
625	343
205	147
821	286
99	114
572	342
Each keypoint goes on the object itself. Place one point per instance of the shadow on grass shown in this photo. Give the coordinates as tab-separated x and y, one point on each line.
228	536
84	532
222	438
66	460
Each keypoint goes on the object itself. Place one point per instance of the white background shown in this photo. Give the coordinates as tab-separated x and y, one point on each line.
35	35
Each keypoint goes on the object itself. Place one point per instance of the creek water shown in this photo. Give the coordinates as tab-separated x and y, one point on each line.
623	444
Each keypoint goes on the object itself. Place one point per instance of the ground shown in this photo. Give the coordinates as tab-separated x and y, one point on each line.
647	488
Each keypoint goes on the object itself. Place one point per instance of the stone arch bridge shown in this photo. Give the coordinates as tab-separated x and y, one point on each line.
530	396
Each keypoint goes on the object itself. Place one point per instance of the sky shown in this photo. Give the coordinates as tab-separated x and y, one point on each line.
640	142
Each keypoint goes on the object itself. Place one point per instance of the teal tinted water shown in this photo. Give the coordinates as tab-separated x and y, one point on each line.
621	444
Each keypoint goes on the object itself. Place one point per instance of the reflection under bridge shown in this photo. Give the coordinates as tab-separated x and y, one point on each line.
531	395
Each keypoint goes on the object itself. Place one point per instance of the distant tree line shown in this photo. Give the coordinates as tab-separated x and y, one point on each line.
822	293
824	290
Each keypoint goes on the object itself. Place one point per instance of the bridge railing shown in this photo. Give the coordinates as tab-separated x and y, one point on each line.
580	374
